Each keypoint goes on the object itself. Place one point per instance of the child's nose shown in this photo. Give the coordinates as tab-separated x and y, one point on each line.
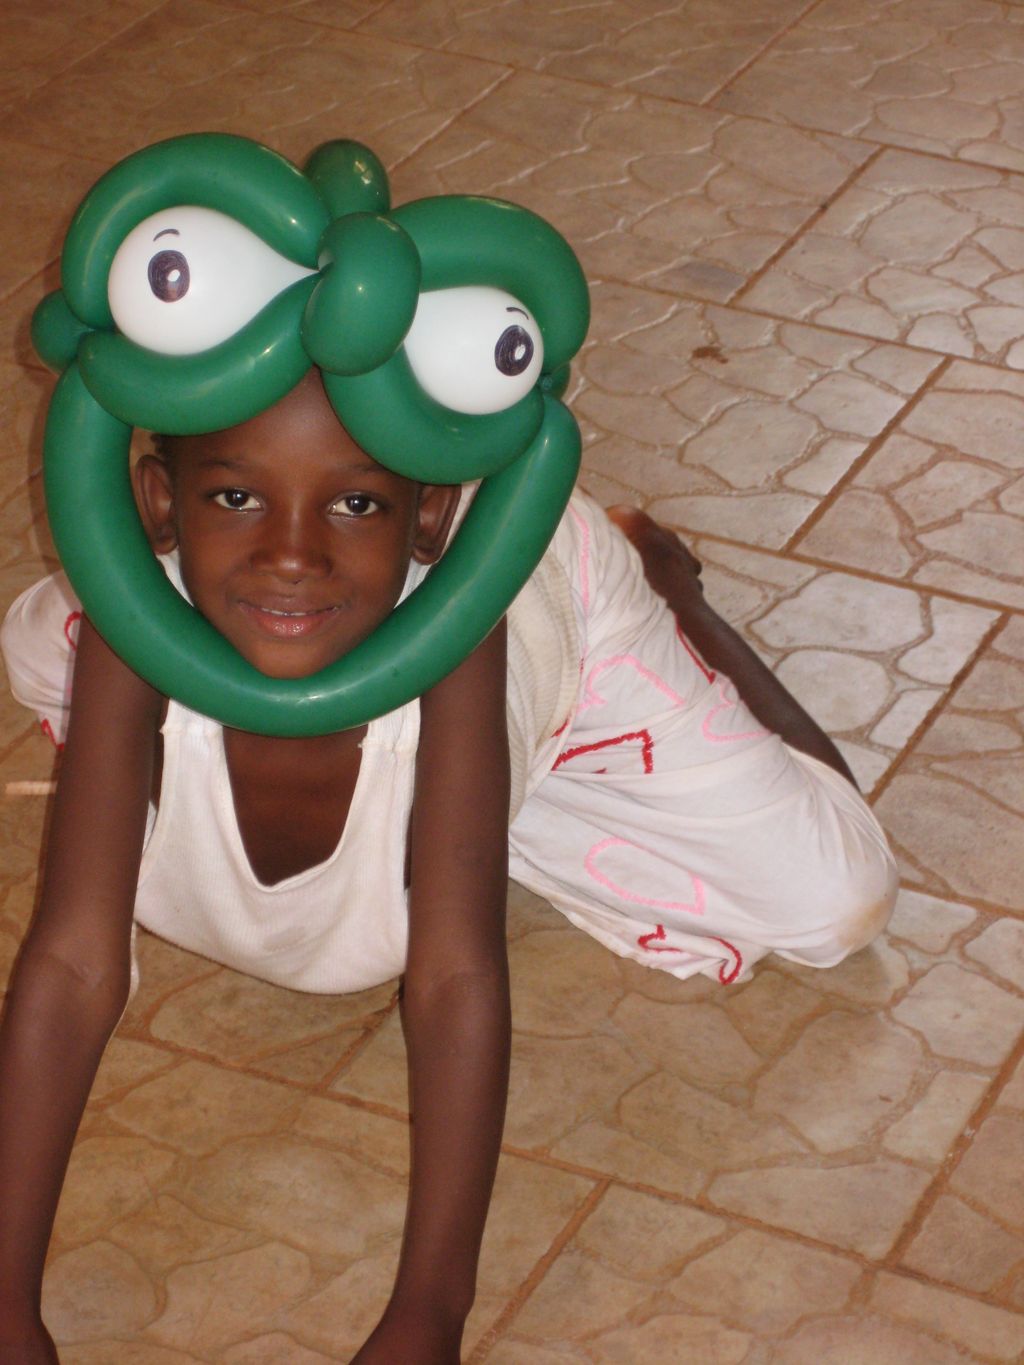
293	547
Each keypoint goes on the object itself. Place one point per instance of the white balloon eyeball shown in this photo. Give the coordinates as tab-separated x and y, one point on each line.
187	278
474	349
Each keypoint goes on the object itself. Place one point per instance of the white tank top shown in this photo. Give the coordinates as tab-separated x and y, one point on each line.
342	925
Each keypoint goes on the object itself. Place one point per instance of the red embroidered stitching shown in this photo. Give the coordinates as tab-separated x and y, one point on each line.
709	673
73	619
659	935
737	968
47	730
644	736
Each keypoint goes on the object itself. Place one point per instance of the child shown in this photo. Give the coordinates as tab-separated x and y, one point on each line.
688	822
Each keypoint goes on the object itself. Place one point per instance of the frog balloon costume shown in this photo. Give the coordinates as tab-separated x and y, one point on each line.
202	277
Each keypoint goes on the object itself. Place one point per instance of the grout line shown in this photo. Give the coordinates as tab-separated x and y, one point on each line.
734	304
807	225
540	1269
783	32
977	903
355	1048
929	720
953	1157
832	566
704	1205
867	454
420	147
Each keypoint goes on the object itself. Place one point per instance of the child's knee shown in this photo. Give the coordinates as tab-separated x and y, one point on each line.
856	911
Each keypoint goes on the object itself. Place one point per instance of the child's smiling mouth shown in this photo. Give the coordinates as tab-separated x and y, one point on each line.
288	623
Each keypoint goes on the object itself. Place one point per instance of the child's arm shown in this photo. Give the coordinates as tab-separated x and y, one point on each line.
674	574
455	1008
72	978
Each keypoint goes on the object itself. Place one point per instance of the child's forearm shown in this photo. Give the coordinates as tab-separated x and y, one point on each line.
674	574
459	1040
725	651
55	1027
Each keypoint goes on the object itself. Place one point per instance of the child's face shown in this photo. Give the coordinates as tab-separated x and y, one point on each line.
294	543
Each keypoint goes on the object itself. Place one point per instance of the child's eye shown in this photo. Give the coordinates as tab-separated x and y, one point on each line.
354	505
236	499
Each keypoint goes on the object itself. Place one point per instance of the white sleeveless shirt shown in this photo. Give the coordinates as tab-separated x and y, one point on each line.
342	925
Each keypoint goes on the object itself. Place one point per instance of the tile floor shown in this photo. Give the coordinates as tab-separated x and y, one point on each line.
804	220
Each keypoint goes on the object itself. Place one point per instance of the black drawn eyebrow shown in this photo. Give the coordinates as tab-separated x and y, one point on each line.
511	309
164	231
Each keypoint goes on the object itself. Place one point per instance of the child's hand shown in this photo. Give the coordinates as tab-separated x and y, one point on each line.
669	567
411	1339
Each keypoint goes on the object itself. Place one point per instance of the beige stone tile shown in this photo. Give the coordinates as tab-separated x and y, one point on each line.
734	424
197	65
841	1079
196	1109
649	192
955	809
941	502
164	1234
210	1305
646	1280
30	758
852	650
125	1353
24	394
682	52
235	1017
108	1179
861	1208
274	1349
96	1291
163	969
916	250
959	1246
668	1093
41	189
41	42
991	1333
764	1283
867	1341
929	1129
17	307
942	77
962	1016
310	1064
1001	949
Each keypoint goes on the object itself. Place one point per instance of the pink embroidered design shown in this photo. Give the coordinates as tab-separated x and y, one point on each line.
646	750
69	627
696	907
649	942
584	531
591	697
709	673
728	700
47	730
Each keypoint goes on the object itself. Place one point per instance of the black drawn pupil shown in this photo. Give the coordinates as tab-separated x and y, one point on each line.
514	350
169	276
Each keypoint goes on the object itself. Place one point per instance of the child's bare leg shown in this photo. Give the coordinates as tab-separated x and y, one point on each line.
674	574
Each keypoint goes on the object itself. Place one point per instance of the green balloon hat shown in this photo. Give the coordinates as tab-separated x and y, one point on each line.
201	278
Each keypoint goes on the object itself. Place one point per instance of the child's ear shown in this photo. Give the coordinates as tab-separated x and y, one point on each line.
437	507
154	495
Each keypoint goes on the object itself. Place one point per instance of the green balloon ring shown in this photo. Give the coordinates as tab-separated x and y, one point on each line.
349	319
